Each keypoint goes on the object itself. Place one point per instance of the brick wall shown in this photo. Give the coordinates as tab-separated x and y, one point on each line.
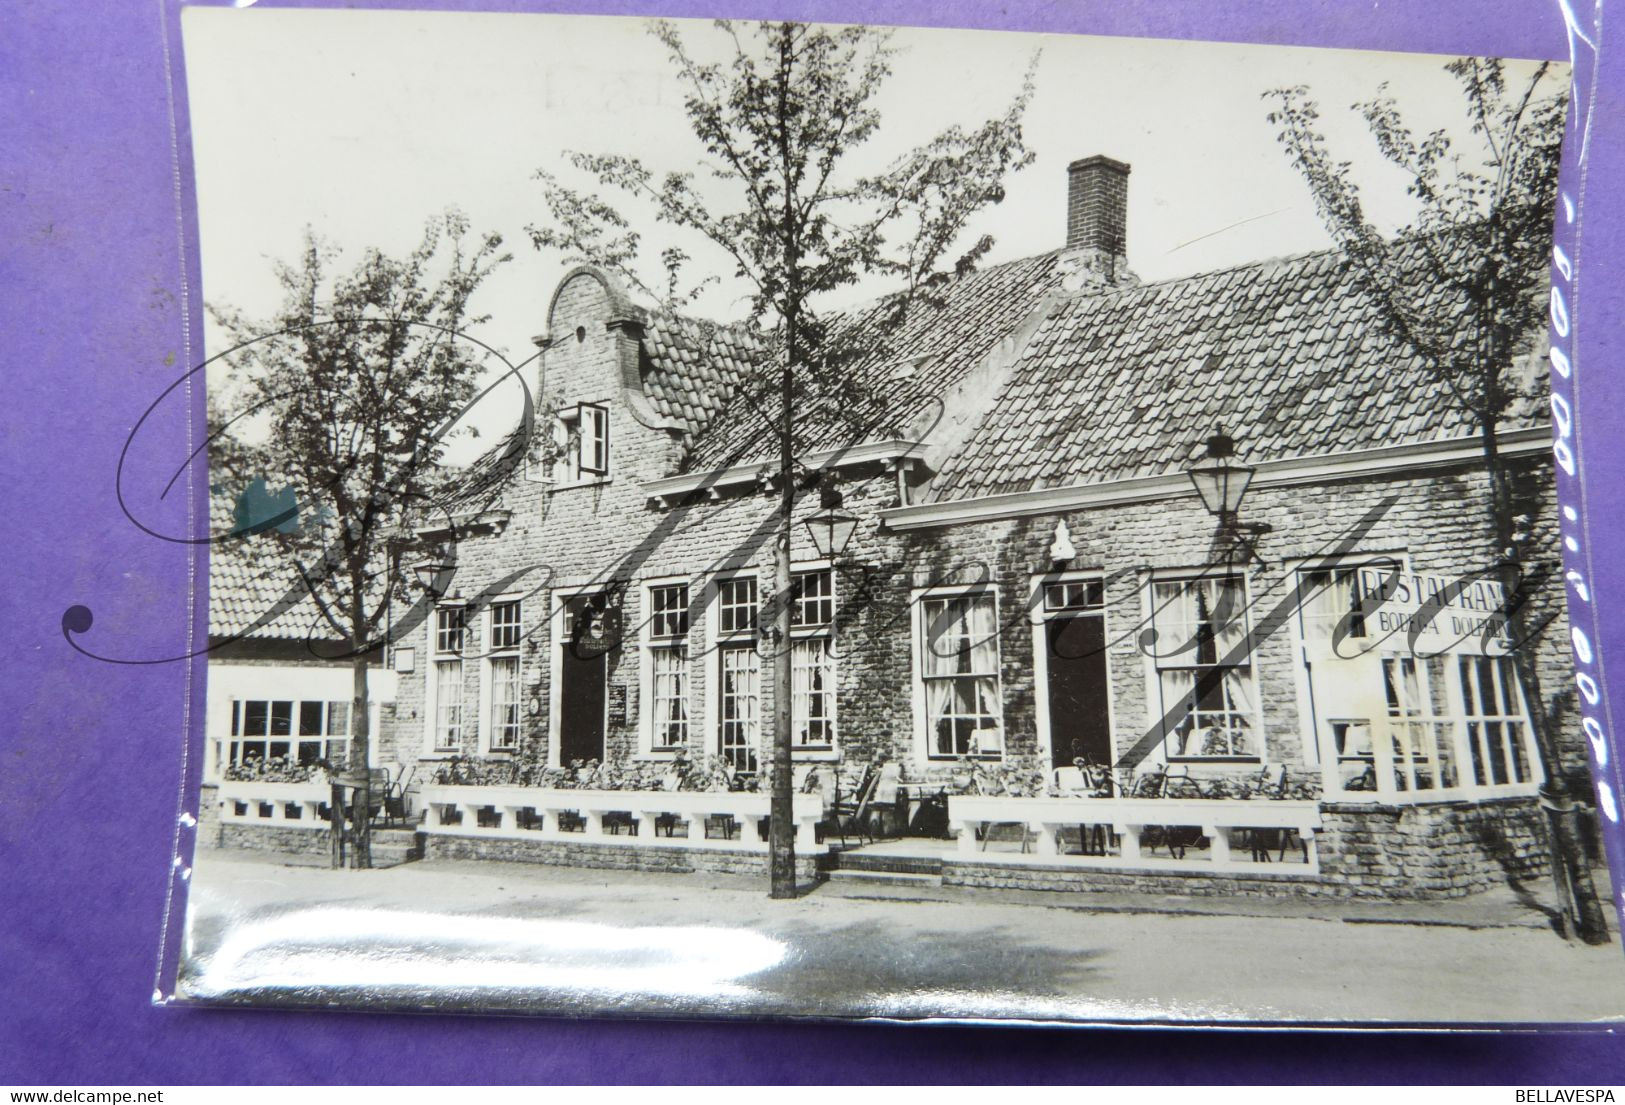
1097	205
208	815
266	838
1441	850
714	861
562	536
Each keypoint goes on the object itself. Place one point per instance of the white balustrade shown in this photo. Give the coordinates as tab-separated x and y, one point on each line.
1221	820
271	803
652	810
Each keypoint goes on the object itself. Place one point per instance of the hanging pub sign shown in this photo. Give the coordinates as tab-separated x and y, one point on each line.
597	625
1430	615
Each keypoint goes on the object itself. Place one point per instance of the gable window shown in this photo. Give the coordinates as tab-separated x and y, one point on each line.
298	732
958	646
1204	671
502	674
592	454
812	661
739	673
666	686
447	716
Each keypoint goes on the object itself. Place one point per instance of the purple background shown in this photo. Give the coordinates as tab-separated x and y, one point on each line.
97	236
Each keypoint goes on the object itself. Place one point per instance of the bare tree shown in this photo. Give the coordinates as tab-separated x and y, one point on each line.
1465	287
784	204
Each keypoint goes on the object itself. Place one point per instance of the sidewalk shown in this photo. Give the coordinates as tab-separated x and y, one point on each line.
567	940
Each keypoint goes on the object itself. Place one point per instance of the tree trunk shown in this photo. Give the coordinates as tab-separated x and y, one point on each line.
1571	869
781	824
360	755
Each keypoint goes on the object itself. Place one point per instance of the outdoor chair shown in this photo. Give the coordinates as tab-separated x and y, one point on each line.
1081	781
847	812
1071	782
670	783
395	801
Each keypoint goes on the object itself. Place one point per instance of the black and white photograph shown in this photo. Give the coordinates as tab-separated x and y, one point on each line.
796	520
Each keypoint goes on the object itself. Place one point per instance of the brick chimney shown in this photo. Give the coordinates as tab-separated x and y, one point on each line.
1096	223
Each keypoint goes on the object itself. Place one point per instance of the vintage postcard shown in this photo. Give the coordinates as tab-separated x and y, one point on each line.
832	521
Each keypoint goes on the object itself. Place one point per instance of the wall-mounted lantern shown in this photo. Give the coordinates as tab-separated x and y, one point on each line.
1222	484
831	528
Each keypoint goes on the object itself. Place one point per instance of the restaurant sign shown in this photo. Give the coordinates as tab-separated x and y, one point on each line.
1431	615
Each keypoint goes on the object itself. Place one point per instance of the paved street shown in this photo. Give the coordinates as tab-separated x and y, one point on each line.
464	935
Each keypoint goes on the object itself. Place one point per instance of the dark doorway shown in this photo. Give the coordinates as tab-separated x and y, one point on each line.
583	672
1079	725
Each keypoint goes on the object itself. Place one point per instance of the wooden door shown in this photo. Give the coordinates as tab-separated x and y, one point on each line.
1079	722
583	675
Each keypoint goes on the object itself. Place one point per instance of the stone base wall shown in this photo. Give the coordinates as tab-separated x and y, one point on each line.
561	853
1370	851
1196	884
208	816
270	838
1442	850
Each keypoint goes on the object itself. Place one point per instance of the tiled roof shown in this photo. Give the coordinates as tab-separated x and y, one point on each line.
948	334
248	578
691	369
1287	354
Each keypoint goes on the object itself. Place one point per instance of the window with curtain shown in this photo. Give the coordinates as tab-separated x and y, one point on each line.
667	636
959	672
739	679
1418	722
1331	608
1204	669
448	679
812	660
503	669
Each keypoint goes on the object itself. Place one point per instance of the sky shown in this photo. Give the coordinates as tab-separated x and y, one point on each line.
364	124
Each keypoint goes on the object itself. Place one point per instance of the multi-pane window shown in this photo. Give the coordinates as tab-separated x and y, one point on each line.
1497	727
739	672
1419	729
1204	669
592	457
448	678
668	611
1332	612
812	599
667	636
812	660
300	732
736	605
1085	594
740	706
959	671
503	670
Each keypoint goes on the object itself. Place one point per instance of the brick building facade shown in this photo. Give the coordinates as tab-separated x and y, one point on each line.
1033	582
